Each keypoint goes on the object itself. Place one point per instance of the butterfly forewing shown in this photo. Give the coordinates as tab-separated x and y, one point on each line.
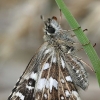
24	88
54	72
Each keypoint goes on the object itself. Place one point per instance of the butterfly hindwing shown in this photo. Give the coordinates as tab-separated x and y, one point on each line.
55	82
52	83
77	71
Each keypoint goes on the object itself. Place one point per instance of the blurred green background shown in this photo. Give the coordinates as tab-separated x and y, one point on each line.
21	32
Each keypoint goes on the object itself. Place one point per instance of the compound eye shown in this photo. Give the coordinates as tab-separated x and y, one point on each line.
51	30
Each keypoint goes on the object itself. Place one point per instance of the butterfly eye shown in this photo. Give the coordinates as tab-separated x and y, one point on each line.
51	30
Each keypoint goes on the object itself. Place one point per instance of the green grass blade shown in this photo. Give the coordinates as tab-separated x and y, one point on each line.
82	38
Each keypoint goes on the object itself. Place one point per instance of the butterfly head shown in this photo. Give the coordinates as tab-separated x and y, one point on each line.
54	34
51	26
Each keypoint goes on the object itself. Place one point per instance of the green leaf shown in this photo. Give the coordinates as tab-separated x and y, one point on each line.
82	38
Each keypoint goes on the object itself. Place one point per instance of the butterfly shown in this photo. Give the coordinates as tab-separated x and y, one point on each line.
54	72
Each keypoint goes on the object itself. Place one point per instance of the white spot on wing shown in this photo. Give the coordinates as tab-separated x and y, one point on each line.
79	75
41	83
62	80
77	71
46	66
47	51
53	83
82	79
67	93
76	95
29	87
45	95
54	59
20	95
33	76
68	78
14	93
17	80
73	67
62	62
69	51
62	98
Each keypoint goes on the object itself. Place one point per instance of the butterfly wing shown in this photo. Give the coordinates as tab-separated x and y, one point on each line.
55	82
46	78
24	88
77	71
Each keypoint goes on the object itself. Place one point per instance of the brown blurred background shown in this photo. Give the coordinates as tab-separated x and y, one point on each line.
21	35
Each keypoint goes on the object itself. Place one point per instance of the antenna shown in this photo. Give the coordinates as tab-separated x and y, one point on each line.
42	17
60	16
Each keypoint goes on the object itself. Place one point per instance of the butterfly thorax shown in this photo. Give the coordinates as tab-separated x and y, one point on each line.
57	37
